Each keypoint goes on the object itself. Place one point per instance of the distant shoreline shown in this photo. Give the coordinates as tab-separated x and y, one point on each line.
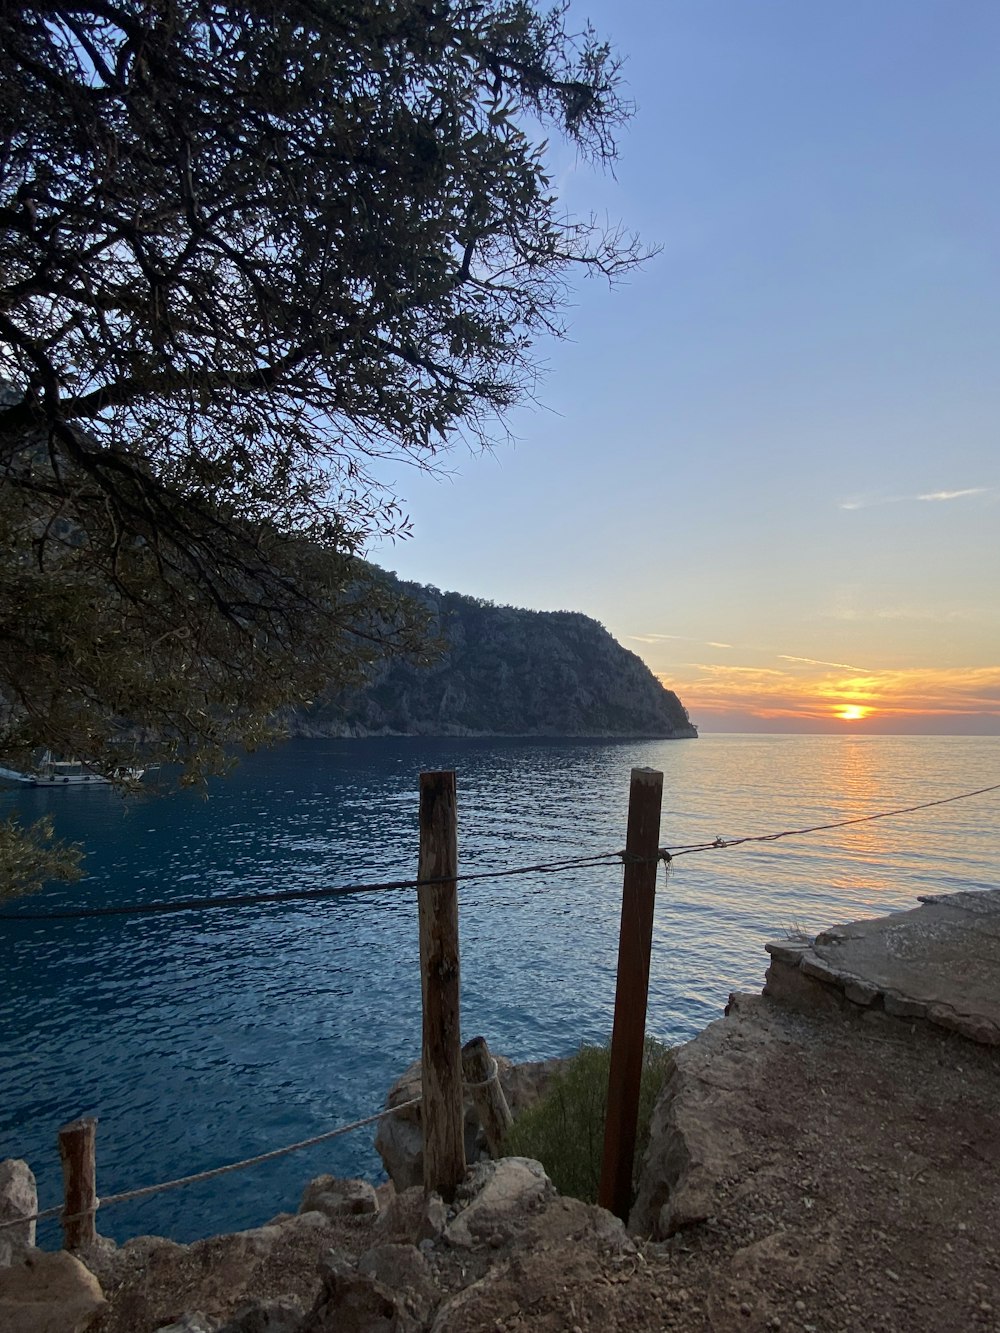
351	731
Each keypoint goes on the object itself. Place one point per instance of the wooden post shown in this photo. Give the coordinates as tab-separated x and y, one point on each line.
77	1148
480	1070
642	845
442	1112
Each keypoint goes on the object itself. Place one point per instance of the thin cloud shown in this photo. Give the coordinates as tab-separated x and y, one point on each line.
953	495
819	661
676	638
873	501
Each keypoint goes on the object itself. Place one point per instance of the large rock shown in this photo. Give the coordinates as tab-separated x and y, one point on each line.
338	1198
403	1269
280	1314
195	1322
225	1279
48	1293
18	1198
399	1140
412	1216
695	1133
351	1301
493	1201
550	1264
112	1264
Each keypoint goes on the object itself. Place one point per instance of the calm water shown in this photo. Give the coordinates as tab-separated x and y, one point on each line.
200	1038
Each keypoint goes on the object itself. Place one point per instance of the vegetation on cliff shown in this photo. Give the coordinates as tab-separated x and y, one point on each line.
505	671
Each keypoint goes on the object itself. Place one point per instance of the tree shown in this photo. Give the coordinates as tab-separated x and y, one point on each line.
247	251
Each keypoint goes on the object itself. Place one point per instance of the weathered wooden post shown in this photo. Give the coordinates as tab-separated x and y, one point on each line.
77	1148
442	1108
642	846
480	1070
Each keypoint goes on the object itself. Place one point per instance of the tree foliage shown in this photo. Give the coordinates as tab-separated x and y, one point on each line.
30	855
248	251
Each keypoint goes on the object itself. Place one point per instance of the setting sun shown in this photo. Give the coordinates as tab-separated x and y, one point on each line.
852	713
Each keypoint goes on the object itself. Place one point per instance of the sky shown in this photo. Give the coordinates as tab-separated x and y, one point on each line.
768	463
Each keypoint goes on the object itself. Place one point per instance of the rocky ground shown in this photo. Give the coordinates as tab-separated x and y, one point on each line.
847	1170
816	1165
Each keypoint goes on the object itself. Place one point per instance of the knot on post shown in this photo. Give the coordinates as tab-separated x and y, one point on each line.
482	1079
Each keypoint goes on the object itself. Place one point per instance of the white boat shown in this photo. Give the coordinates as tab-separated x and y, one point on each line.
64	773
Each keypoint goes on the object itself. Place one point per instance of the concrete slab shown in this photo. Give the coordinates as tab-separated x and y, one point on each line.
939	962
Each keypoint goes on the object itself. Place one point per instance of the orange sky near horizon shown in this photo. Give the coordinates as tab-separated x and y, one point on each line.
801	694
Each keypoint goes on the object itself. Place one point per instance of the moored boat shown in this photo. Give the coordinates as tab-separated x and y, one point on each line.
63	773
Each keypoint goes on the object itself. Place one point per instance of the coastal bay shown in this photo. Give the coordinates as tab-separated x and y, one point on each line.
200	1038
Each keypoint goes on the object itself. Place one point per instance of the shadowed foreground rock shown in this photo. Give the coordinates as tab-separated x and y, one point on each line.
48	1293
411	1266
18	1198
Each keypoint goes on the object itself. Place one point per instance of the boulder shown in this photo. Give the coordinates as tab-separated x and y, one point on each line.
399	1140
48	1293
354	1302
18	1199
492	1202
338	1198
404	1270
695	1134
249	1276
412	1216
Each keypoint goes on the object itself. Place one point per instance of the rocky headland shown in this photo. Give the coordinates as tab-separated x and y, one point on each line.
503	671
825	1156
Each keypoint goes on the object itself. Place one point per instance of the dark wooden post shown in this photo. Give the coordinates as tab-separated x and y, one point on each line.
442	1111
642	845
77	1148
480	1071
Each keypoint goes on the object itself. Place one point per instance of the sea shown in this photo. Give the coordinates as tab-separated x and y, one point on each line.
199	1038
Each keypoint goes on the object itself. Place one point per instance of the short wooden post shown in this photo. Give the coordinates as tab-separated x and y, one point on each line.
77	1148
480	1070
442	1111
642	845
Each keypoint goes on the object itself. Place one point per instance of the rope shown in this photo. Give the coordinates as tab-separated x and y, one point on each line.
670	853
296	895
484	1083
127	1195
666	854
145	1190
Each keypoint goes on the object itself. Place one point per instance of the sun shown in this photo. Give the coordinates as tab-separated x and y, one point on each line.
852	712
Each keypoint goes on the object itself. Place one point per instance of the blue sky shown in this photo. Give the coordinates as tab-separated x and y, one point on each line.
769	462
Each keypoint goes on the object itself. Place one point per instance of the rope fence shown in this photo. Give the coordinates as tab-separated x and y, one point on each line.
442	1097
143	1191
278	896
717	844
297	895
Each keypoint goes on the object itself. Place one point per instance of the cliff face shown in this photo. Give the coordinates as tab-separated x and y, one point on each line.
507	672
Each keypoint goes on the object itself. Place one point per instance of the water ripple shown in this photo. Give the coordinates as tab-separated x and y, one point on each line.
198	1039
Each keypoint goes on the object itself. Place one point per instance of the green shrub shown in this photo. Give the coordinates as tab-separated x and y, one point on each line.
565	1129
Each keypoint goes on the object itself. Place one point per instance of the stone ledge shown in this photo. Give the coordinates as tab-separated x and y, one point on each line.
936	964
